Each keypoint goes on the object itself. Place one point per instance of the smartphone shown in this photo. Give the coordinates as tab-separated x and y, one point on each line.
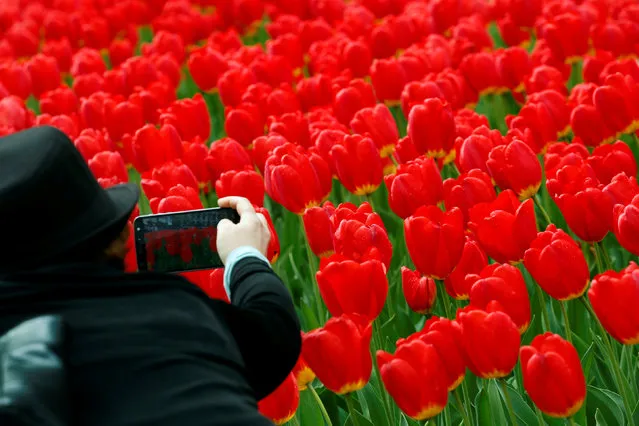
179	242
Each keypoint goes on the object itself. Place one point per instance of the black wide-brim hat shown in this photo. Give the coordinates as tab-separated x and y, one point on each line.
50	202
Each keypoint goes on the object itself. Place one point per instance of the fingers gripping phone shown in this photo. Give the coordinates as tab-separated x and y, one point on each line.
179	242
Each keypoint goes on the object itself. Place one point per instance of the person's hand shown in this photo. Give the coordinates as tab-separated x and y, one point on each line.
251	231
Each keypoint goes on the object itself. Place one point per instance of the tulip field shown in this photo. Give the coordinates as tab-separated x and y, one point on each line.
450	184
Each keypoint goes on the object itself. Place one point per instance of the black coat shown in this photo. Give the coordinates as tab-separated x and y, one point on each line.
152	349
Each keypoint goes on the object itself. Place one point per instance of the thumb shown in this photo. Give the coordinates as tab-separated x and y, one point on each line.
223	224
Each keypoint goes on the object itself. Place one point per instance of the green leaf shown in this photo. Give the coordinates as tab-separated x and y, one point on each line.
525	414
361	420
489	408
587	359
308	412
599	419
608	402
374	403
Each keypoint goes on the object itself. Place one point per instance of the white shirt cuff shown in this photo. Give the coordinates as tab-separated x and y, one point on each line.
235	256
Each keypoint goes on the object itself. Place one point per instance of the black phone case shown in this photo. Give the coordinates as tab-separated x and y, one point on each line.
178	221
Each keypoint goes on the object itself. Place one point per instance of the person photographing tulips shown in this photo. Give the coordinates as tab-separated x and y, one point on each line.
142	348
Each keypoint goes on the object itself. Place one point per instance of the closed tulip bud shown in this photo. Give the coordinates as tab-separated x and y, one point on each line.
622	189
45	74
420	292
377	123
504	216
358	164
172	174
91	142
108	165
514	65
415	377
280	406
225	155
206	66
349	287
480	69
302	372
587	123
502	288
414	184
515	166
472	262
614	297
625	225
243	183
155	147
178	198
263	147
297	180
351	99
293	126
388	78
557	264
610	160
428	225
431	127
319	229
244	123
491	343
273	249
61	100
190	117
553	376
588	213
467	190
339	353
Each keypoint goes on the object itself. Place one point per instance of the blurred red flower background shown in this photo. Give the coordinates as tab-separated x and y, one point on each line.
450	184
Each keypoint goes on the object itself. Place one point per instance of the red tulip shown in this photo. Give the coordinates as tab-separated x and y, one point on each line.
273	249
474	151
190	117
557	264
467	190
588	213
415	377
108	165
287	168
625	224
339	353
419	292
319	229
349	100
435	240
349	287
388	77
293	126
622	190
91	142
515	166
226	155
16	79
614	297
609	160
244	183
502	288
61	100
359	241
45	74
378	124
472	262
280	406
178	198
431	127
206	66
244	123
553	376
445	335
155	147
358	164
491	343
504	216
263	147
302	372
14	114
415	184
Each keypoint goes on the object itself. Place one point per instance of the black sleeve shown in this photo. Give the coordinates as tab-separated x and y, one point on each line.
264	323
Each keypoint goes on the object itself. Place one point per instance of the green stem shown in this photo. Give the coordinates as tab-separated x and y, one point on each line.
509	403
351	409
600	266
320	404
571	421
394	160
443	296
540	417
462	408
562	304
312	270
382	391
614	361
466	393
541	208
447	420
544	308
605	256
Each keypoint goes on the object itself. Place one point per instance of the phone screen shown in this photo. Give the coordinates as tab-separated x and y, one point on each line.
178	242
